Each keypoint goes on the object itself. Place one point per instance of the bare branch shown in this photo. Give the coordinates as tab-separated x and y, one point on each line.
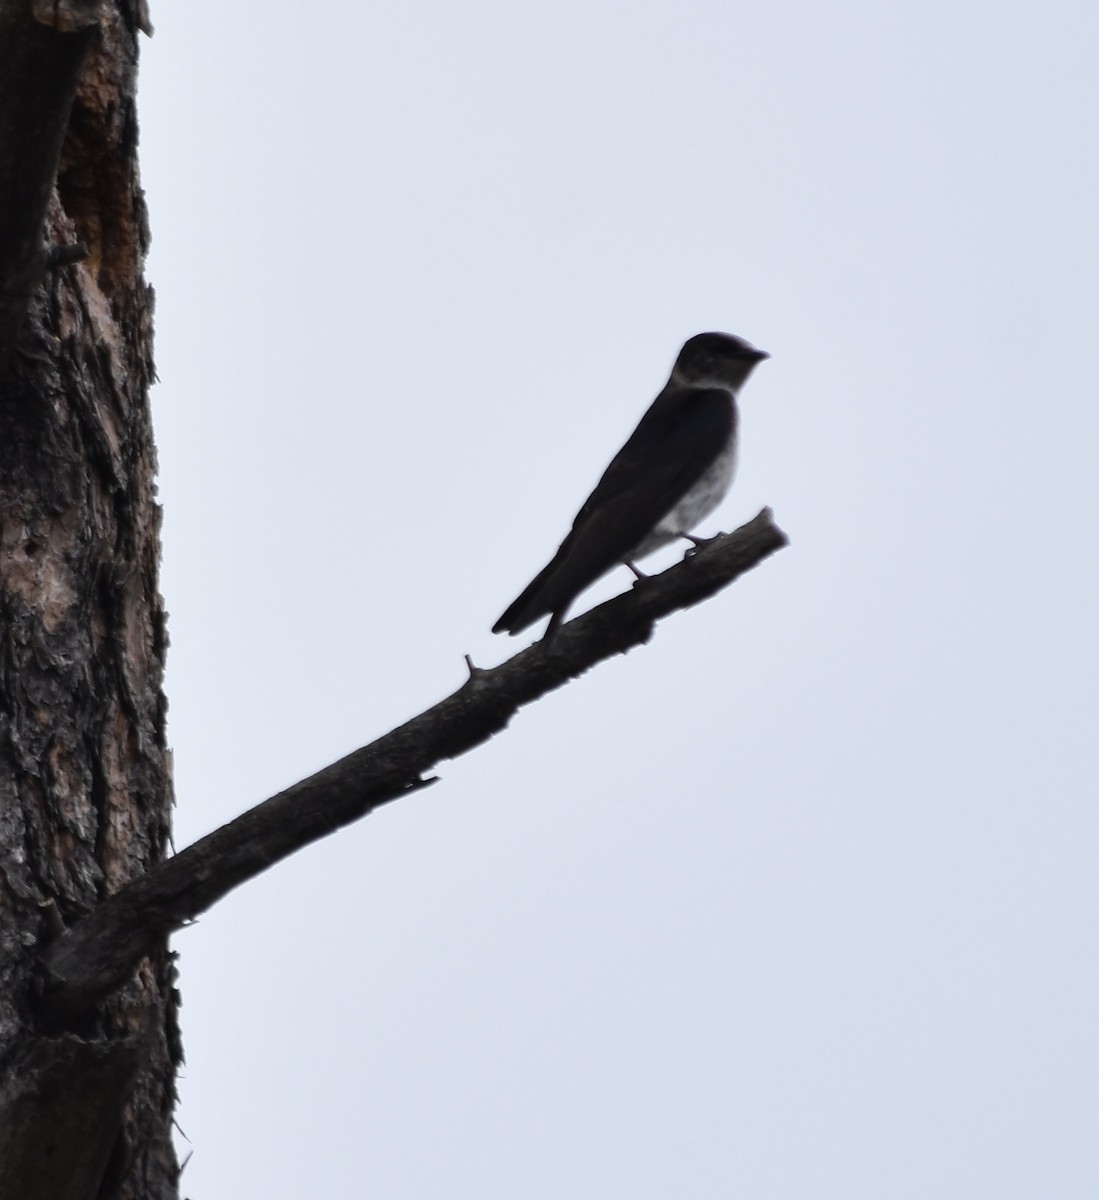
97	954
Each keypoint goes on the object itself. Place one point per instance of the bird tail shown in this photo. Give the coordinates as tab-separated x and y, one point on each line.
534	602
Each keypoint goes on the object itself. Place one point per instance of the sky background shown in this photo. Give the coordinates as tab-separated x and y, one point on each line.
801	899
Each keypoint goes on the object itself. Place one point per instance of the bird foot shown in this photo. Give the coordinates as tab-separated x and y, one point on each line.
697	543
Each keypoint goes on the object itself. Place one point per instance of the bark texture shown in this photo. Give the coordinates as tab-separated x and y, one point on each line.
85	790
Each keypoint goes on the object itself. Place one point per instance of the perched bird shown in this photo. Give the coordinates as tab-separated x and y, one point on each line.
674	470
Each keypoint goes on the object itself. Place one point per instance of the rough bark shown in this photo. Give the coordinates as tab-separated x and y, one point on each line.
85	793
40	65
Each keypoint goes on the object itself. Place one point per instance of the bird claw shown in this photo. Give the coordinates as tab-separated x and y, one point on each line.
698	544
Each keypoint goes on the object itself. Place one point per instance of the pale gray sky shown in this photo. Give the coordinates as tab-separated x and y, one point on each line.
801	899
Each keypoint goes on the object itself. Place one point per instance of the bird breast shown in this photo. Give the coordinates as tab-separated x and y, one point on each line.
695	506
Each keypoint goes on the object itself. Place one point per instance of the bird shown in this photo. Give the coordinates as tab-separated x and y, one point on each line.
673	471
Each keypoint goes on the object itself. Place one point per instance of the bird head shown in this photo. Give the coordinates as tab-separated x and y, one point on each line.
716	360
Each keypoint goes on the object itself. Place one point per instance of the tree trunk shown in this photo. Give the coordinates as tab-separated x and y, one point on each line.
85	785
89	1043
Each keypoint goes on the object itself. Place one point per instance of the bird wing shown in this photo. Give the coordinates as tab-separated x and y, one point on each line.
675	443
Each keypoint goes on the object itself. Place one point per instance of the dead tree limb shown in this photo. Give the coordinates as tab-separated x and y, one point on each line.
94	956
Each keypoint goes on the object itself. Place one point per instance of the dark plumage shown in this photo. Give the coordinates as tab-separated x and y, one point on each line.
674	470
